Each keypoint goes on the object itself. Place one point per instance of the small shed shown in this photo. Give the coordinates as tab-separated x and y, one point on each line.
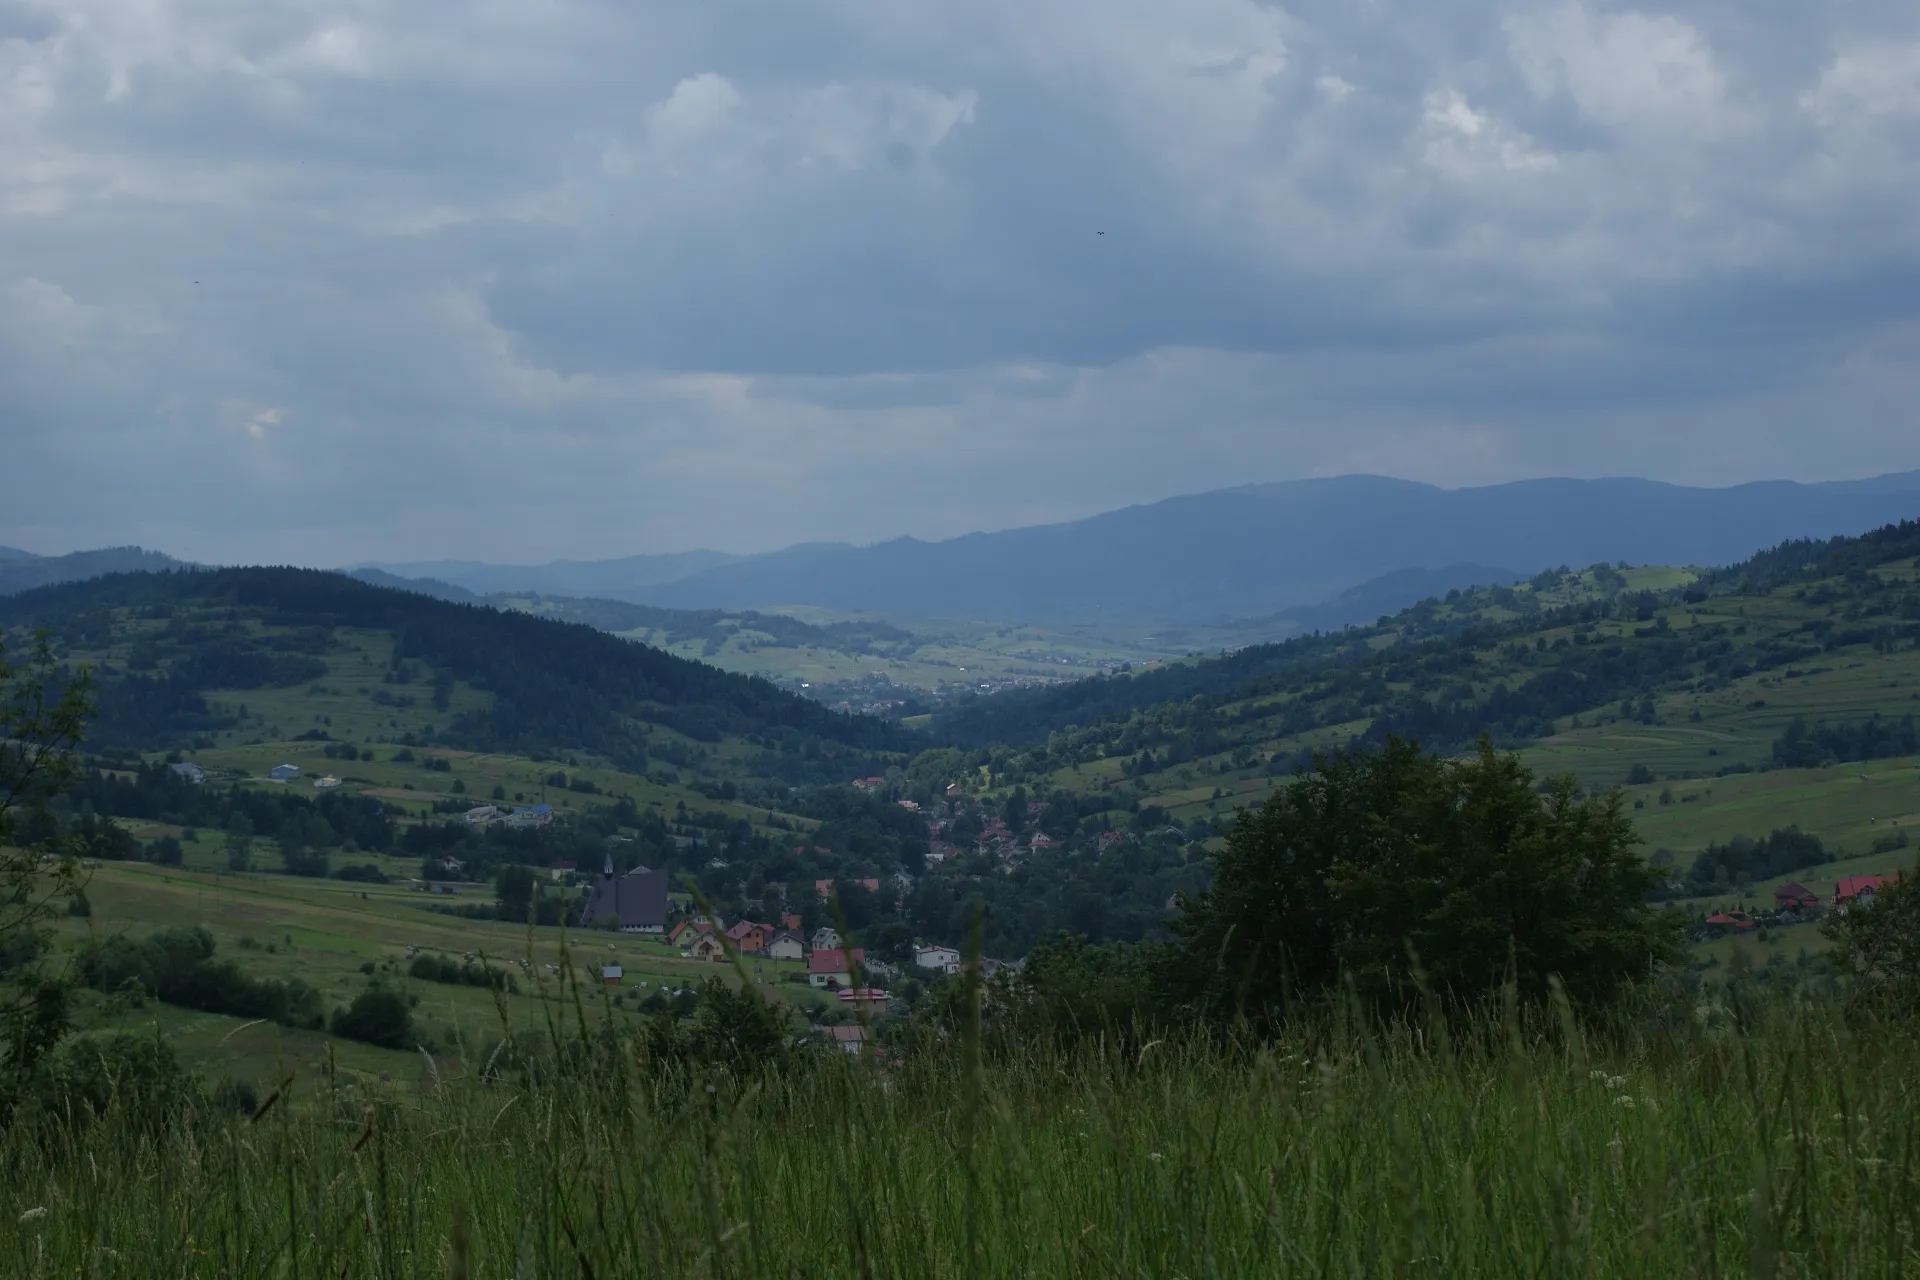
284	772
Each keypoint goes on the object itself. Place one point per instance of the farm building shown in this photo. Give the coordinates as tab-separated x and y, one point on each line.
850	1038
188	772
284	772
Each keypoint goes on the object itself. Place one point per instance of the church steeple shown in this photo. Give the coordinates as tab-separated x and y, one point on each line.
608	873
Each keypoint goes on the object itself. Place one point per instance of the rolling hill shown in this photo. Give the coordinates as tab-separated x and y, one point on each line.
23	570
220	656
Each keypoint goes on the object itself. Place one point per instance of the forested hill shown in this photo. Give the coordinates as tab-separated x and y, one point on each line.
1507	660
498	680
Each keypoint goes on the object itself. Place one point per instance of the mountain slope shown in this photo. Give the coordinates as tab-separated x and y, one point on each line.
615	579
1690	675
1262	549
484	679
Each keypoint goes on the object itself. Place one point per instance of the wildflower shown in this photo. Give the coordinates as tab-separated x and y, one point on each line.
1153	1155
1615	1082
1623	1101
37	1212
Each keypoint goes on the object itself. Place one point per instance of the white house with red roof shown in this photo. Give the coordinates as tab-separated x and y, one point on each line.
833	968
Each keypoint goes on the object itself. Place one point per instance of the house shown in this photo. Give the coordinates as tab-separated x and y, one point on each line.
450	863
749	938
823	888
1722	921
1852	889
687	930
481	815
189	773
791	923
284	772
868	1000
1794	896
634	903
825	938
324	781
833	968
1042	841
786	946
610	974
850	1038
707	947
945	959
563	871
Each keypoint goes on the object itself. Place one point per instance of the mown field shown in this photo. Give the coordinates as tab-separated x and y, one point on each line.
336	936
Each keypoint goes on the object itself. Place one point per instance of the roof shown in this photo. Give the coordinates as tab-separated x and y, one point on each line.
1853	886
938	946
636	900
861	994
1794	889
853	1032
833	961
744	928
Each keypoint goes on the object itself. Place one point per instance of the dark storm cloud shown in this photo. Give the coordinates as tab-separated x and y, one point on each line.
319	282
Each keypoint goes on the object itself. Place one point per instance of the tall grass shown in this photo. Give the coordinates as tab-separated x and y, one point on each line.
1511	1147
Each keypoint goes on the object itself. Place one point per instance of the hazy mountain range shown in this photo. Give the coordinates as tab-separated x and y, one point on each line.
1305	553
1240	553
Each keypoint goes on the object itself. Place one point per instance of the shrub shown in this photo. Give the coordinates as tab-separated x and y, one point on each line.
380	1016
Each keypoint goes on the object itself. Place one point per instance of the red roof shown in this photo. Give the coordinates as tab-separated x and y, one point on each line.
1854	886
790	922
744	928
832	961
1795	892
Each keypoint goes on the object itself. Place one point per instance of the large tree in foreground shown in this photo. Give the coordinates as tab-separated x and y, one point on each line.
42	716
1376	860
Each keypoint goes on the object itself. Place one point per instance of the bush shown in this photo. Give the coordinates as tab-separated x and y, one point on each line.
165	852
366	873
87	1076
177	966
442	969
379	1016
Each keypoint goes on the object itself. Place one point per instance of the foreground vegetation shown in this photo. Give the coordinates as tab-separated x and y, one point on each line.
1688	1143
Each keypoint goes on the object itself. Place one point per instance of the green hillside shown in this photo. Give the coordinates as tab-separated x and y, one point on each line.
1751	684
235	656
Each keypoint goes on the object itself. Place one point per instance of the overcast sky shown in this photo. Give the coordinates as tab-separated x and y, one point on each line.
515	279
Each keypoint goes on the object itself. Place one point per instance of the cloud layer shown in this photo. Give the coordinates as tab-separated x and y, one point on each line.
289	279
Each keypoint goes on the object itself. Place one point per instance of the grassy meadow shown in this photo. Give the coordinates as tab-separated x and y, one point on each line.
1687	1141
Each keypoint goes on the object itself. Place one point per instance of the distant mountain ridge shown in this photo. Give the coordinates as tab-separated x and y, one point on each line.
23	570
1261	550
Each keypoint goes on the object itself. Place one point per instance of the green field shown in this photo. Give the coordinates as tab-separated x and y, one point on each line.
325	932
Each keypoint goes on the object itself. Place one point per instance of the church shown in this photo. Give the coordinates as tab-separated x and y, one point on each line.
636	902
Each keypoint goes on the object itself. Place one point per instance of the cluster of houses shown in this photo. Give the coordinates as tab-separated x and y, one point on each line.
1794	903
485	815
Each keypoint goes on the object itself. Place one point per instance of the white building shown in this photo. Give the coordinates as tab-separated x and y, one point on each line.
945	959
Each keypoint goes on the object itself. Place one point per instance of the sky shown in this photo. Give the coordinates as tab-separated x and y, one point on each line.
314	282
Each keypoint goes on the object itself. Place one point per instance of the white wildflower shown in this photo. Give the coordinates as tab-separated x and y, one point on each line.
31	1214
1623	1101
